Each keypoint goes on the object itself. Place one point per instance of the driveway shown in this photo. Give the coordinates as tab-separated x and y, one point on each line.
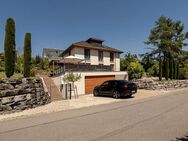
82	101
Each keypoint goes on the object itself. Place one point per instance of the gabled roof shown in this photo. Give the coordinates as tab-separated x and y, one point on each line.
93	43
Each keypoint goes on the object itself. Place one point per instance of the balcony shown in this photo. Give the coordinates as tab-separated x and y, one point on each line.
81	68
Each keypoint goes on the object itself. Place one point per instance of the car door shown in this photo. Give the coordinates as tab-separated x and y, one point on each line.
110	88
104	88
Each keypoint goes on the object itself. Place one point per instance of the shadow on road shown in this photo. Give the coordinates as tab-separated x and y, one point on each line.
185	138
125	97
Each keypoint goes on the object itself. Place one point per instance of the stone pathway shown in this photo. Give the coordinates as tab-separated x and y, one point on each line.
52	89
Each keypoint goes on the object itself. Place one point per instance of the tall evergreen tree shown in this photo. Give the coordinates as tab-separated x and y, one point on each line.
168	37
9	47
160	69
27	55
167	69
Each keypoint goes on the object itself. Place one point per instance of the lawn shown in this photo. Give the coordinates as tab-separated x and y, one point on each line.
16	75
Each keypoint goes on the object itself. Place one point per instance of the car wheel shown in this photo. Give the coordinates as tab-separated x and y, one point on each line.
129	96
95	93
116	95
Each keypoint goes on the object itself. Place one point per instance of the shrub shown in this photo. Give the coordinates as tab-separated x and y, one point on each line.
183	72
153	70
33	72
135	70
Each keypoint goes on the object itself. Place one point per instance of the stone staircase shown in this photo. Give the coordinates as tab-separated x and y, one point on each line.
52	89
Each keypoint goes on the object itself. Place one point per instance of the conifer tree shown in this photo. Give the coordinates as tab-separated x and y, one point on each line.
9	47
27	55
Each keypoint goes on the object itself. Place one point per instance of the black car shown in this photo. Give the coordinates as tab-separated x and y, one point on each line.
115	88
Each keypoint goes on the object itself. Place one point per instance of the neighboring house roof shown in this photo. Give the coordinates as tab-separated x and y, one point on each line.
50	52
92	43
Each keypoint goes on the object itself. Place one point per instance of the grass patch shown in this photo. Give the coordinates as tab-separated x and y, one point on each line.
16	75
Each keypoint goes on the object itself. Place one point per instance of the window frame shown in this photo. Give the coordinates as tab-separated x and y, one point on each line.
111	57
87	54
100	56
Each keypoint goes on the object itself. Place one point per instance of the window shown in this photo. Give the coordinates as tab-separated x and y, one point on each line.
111	57
87	54
100	56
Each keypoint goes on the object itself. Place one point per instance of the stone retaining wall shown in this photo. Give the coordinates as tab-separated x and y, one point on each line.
156	85
20	94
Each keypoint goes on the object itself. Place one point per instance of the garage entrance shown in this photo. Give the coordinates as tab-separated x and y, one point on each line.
92	81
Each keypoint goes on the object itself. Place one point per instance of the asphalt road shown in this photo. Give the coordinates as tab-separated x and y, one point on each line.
162	118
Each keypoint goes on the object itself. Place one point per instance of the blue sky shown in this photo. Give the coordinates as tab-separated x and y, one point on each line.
123	24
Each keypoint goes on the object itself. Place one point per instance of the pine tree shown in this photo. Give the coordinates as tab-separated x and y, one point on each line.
27	55
169	38
9	47
167	69
175	70
160	69
171	68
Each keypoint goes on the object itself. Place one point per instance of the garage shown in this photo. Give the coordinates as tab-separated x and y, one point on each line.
92	81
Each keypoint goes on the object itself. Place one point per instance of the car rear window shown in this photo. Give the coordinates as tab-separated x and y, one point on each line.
122	82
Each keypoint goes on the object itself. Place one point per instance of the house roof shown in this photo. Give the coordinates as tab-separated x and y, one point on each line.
51	52
93	43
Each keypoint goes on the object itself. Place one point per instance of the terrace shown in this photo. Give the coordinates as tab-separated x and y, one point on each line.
81	68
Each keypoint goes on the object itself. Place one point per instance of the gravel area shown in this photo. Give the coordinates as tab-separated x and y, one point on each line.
82	101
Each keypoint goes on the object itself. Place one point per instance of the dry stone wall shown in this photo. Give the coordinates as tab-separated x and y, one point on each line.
156	85
20	94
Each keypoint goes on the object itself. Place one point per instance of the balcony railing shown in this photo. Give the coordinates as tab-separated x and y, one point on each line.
82	68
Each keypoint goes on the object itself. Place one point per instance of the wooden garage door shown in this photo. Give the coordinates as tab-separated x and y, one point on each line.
92	81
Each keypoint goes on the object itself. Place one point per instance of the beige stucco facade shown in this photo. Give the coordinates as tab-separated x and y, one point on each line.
79	52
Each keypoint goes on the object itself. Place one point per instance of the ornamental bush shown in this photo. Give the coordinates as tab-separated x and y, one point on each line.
135	70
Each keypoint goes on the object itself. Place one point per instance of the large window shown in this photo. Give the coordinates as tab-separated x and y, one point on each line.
87	54
100	56
111	57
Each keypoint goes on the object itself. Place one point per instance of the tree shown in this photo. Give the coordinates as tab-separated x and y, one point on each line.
168	37
125	62
160	69
19	64
10	47
147	62
72	77
154	69
2	63
27	55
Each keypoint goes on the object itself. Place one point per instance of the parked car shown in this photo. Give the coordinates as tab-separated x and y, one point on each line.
115	88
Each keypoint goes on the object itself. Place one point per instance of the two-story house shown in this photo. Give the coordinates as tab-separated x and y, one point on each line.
94	52
99	63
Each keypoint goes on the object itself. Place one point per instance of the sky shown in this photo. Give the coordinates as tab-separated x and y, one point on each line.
123	24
